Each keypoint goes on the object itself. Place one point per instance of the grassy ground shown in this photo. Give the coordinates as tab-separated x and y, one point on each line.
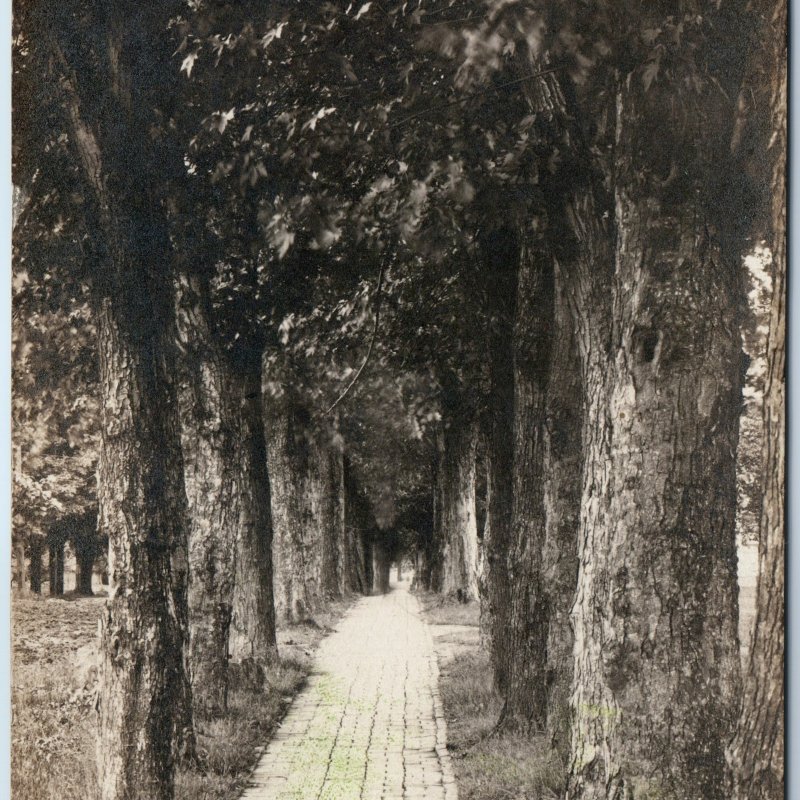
488	767
53	683
506	767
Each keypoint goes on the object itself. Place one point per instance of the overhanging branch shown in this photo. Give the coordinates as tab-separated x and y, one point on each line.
371	347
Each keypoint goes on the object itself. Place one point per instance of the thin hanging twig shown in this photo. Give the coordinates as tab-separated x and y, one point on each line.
352	383
473	94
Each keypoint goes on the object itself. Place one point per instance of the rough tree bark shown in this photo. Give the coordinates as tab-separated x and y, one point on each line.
456	532
210	436
500	253
253	643
657	574
563	459
128	158
142	506
296	551
525	706
756	755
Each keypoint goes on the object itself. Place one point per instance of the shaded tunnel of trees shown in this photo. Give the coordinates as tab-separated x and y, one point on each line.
300	293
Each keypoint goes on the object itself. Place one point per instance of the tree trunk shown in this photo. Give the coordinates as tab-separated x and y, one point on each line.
210	438
381	567
297	549
357	522
36	548
84	561
346	555
457	531
756	755
369	562
563	460
55	565
130	161
525	698
657	575
144	691
501	257
252	636
428	572
484	617
324	514
20	572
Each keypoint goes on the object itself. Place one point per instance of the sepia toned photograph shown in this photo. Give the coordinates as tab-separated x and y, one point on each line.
398	399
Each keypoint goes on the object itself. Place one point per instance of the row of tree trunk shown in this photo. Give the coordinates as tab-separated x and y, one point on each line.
78	529
653	677
184	490
609	543
277	527
316	554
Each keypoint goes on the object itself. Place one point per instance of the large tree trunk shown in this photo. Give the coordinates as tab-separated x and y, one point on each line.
501	257
457	530
142	506
129	159
657	575
252	636
210	438
757	752
563	460
525	698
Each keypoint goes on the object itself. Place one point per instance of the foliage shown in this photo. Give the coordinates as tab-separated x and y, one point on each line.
55	409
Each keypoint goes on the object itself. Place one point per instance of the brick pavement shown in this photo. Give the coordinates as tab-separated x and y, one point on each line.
369	723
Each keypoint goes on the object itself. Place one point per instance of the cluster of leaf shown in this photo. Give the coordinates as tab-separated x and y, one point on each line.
331	143
324	144
55	409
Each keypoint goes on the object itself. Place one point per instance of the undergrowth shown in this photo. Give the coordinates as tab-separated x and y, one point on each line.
53	720
488	765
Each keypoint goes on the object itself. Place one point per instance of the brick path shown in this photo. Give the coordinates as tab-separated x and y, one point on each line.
369	723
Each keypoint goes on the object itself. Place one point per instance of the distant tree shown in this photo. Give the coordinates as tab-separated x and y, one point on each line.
55	411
